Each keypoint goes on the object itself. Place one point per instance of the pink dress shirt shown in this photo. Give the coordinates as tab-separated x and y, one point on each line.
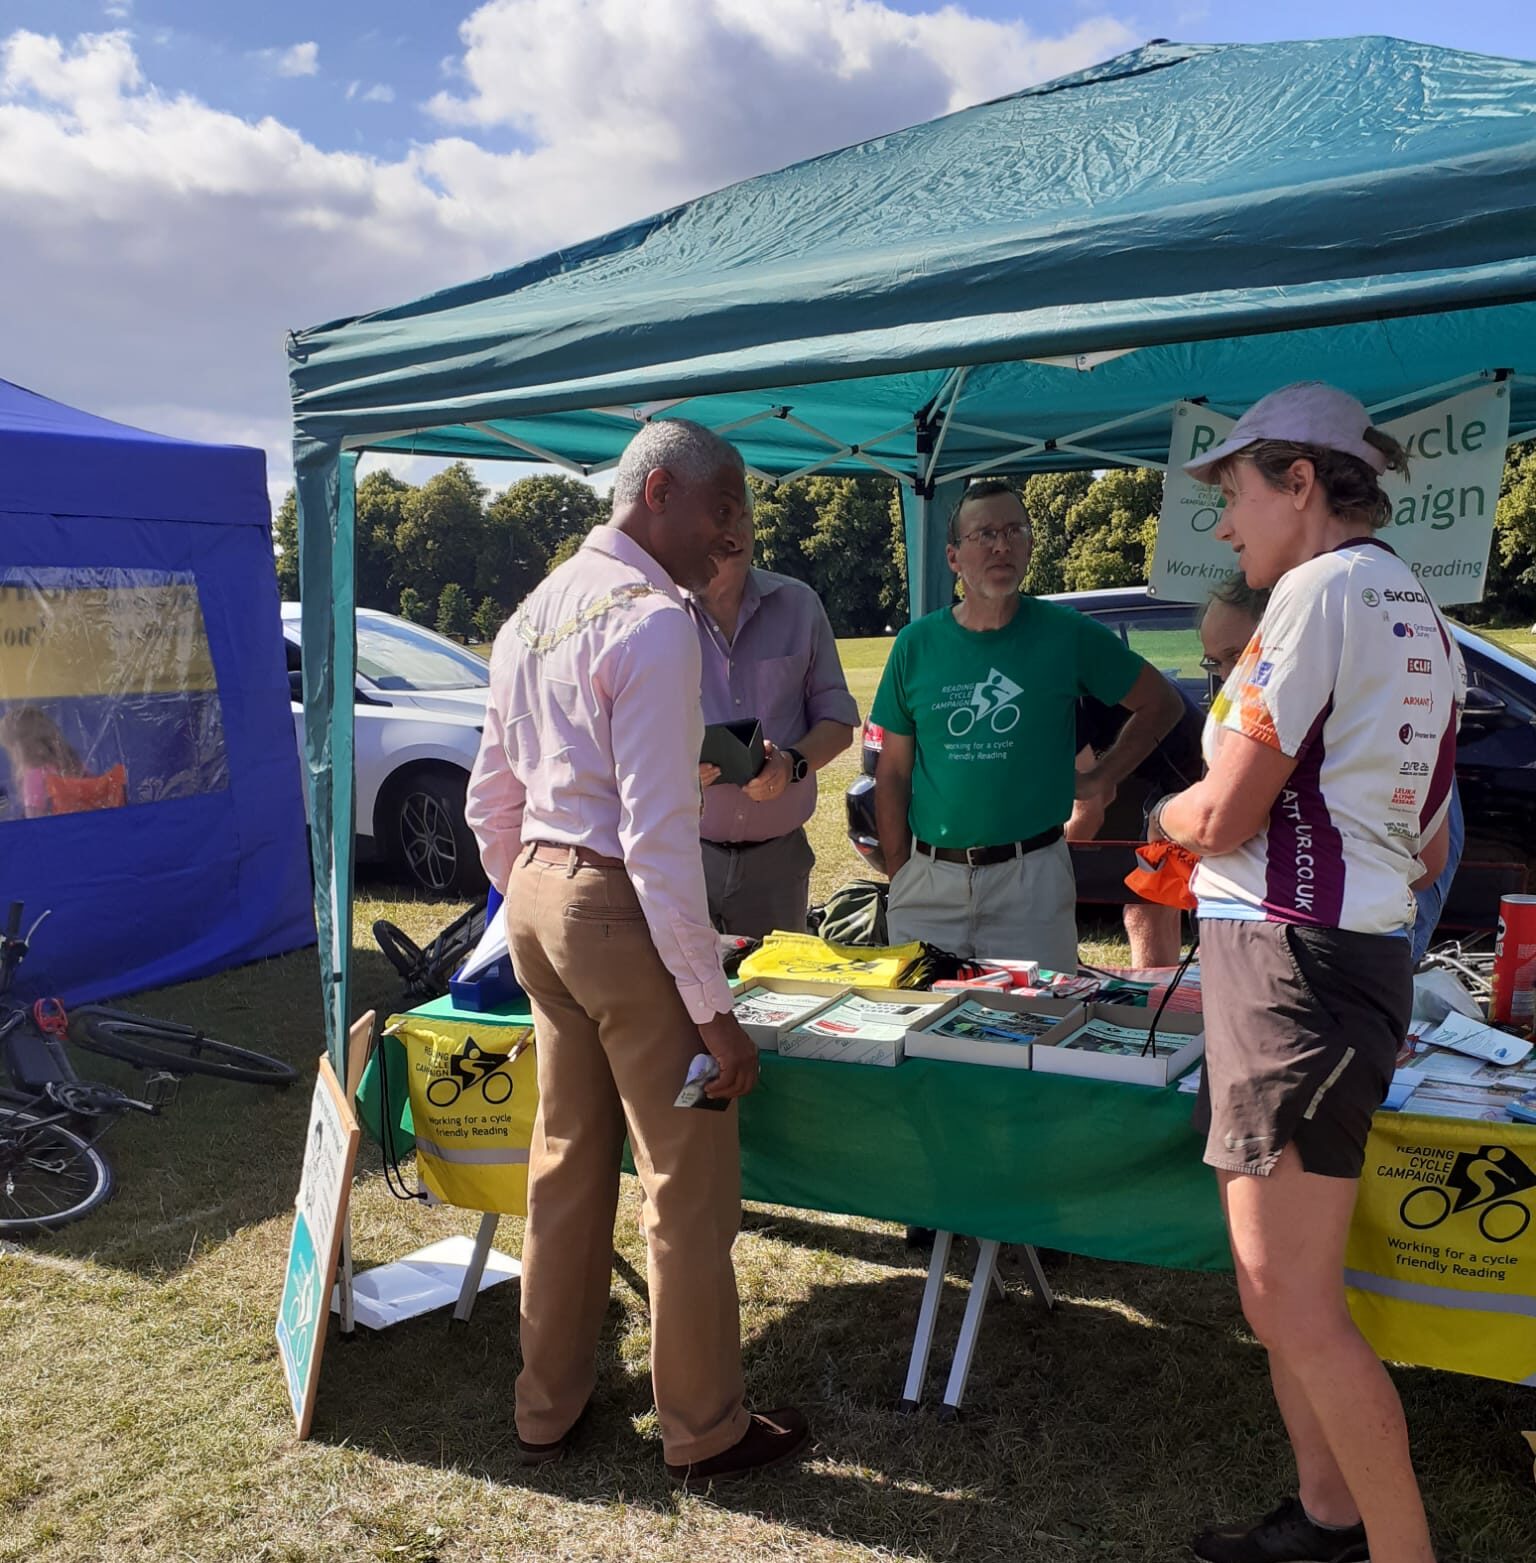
592	735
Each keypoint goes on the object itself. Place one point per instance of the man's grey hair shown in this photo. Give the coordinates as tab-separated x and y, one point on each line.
689	451
1235	592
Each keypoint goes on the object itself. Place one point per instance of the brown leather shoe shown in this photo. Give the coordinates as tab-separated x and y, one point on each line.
544	1454
771	1438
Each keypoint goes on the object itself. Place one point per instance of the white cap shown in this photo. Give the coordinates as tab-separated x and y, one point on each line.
1307	413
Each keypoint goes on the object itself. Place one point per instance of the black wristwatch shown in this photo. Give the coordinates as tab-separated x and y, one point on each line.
799	768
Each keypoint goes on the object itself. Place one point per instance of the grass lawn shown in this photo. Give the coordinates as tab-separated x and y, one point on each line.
146	1417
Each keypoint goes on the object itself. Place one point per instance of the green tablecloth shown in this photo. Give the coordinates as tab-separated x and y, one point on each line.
1108	1170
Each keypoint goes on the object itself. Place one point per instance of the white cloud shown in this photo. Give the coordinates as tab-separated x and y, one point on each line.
301	59
157	247
380	92
118	10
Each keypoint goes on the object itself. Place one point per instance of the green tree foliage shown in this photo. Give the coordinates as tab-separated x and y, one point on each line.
413	606
455	617
285	535
1049	498
565	551
489	618
440	531
1511	594
1111	530
527	524
381	500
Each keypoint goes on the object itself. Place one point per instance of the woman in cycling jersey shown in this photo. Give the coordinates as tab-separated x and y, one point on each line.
1330	754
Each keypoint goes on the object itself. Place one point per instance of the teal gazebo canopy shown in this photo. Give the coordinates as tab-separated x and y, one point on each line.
1027	285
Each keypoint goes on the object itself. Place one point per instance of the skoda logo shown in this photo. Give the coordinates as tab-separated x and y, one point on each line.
1405	733
1370	597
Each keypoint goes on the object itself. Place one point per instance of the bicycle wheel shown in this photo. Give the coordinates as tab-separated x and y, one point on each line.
164	1044
49	1176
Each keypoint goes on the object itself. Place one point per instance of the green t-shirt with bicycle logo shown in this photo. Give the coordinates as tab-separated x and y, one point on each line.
994	715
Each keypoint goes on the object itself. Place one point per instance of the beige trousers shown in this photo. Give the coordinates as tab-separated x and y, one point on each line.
613	1045
1024	909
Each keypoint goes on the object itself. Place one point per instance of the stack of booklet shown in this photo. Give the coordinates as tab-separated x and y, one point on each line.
767	1008
866	1026
1110	1042
997	1029
1465	1069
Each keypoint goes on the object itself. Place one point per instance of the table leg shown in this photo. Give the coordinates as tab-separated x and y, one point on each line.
1037	1277
927	1315
970	1328
476	1268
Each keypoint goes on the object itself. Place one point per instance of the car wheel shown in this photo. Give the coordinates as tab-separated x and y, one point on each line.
429	842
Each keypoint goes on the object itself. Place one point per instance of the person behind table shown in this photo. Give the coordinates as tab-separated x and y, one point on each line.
585	801
1330	753
976	776
769	654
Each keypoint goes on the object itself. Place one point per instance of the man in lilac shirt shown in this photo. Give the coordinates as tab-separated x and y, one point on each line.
585	802
768	655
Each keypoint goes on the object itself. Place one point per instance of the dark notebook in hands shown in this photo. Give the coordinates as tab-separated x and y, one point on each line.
737	748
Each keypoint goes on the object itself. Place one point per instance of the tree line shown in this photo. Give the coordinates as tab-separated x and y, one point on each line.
448	554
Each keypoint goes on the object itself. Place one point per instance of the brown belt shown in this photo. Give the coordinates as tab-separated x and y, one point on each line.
557	856
981	857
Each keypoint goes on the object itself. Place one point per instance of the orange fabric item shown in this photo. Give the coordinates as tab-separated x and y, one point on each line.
79	794
1162	874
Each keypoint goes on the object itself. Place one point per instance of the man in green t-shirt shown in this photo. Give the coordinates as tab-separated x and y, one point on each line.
977	775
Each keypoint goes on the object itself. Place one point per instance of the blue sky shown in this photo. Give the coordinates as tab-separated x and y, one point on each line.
181	181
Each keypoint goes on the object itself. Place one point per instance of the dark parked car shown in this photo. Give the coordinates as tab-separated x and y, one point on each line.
1495	760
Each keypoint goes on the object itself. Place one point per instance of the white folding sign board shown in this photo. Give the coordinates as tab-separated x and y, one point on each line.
1442	513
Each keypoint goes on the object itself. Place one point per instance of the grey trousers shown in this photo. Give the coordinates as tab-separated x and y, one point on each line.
1024	909
761	887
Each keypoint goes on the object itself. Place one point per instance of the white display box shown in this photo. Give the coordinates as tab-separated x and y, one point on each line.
767	1007
960	1036
865	1026
1115	1052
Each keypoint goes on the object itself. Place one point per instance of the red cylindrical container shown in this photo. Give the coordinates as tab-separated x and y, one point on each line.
1514	964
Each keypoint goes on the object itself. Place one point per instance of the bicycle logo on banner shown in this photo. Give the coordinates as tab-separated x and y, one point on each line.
473	1067
1484	1180
992	701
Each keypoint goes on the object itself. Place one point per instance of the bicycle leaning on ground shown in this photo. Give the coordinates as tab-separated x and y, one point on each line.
51	1171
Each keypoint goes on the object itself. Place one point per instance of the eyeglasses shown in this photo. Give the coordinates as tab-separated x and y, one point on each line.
1209	665
991	536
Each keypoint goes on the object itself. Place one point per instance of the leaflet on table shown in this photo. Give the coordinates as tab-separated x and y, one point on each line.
1478	1040
977	1021
766	1009
1110	1042
863	1028
1442	1100
996	1030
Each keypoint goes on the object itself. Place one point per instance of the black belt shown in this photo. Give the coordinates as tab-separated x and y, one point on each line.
742	846
981	857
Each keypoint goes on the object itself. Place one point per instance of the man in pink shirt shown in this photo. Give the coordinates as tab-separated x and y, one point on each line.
585	802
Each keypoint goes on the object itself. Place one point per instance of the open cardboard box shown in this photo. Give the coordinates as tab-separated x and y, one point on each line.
931	1039
1180	1045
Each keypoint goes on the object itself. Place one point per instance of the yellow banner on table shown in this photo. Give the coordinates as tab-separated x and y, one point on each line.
1441	1262
805	958
474	1091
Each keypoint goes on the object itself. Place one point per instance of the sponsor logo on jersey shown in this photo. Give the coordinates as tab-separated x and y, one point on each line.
1413	768
1420	665
1404	796
1405	596
1395	827
1424	702
1406	631
1370	597
1408	732
1261	674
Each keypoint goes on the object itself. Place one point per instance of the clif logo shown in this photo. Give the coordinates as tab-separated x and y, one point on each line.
1420	665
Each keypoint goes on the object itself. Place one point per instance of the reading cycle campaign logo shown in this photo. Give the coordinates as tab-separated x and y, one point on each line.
1484	1186
993	701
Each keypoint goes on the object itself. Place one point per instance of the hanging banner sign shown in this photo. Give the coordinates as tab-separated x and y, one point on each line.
1442	513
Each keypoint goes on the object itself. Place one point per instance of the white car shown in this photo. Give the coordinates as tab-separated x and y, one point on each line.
419	712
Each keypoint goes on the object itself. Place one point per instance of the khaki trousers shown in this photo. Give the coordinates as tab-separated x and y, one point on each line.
613	1045
1024	909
